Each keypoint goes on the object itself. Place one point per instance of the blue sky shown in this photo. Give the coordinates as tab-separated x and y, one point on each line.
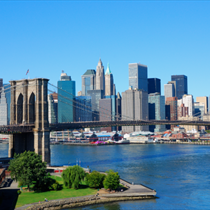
170	37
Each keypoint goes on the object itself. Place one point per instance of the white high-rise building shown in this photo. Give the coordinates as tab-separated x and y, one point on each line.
188	101
169	90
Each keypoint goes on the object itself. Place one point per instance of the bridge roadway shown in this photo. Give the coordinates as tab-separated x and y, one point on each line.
27	128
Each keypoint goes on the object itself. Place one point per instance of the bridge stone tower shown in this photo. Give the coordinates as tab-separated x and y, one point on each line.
29	105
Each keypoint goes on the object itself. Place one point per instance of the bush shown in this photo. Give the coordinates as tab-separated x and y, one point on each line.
112	180
72	176
95	179
20	184
56	186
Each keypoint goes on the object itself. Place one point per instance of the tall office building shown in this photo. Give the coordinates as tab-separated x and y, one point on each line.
105	110
66	96
138	76
199	109
203	100
156	111
3	108
181	85
83	108
88	81
95	95
154	85
134	107
169	91
186	101
174	87
100	80
171	110
109	82
53	108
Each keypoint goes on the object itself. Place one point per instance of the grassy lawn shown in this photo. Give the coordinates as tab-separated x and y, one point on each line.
32	197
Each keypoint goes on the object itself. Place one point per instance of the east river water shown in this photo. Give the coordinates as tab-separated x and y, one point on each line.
179	173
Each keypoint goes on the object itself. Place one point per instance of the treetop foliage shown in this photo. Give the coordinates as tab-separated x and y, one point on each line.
112	180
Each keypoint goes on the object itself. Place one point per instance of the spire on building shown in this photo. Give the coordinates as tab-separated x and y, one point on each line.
108	72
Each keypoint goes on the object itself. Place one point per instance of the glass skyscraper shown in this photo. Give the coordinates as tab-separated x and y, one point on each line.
83	110
156	111
66	97
181	85
88	81
154	85
138	76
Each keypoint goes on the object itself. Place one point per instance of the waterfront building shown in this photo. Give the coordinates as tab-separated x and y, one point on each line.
134	107
53	108
154	85
95	95
3	108
138	76
66	96
88	81
100	80
204	101
109	82
171	110
181	85
190	127
83	108
156	111
199	109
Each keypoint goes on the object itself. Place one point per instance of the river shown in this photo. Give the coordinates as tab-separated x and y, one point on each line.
179	173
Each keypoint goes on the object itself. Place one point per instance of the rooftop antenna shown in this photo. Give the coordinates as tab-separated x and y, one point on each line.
62	71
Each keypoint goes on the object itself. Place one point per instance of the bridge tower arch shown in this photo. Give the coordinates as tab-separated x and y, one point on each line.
29	105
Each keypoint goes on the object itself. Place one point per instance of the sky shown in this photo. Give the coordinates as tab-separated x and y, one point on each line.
46	37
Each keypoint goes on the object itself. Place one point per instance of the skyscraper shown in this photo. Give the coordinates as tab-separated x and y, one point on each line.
203	100
181	85
138	76
134	107
53	108
169	91
88	81
83	108
156	111
109	82
154	85
66	96
100	81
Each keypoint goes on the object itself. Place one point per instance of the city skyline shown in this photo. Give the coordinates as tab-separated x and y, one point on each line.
171	38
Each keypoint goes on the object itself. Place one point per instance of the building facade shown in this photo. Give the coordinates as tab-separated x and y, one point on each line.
156	111
204	101
171	110
88	81
95	95
83	108
134	107
181	85
154	85
169	91
100	80
109	82
66	97
138	76
53	108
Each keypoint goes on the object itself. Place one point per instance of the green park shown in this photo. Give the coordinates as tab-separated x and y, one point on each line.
36	185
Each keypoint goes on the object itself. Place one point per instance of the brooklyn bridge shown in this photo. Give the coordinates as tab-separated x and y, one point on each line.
29	128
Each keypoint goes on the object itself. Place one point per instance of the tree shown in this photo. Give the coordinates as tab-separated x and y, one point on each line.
112	180
95	179
72	176
28	169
